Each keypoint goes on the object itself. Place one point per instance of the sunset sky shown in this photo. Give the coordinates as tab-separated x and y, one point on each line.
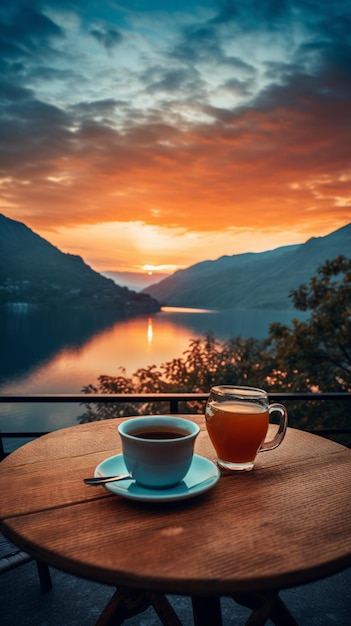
154	134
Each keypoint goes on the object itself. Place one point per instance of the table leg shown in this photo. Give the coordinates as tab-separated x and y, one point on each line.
164	610
126	603
207	611
280	614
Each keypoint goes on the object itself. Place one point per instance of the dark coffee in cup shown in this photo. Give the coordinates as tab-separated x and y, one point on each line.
158	433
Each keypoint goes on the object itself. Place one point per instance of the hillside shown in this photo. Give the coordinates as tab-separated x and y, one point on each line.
260	280
35	272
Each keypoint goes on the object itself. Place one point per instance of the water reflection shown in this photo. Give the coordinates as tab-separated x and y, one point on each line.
29	339
61	354
150	332
57	353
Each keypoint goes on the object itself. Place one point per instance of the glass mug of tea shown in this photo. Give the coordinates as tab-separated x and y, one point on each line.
237	420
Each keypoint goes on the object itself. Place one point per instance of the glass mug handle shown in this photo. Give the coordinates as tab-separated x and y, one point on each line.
280	434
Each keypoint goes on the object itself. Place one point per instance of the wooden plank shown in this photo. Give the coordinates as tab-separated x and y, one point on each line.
285	523
272	528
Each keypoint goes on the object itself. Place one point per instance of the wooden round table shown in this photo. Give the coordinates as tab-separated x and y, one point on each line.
285	523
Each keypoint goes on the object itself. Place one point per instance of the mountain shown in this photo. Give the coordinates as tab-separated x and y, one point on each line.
32	271
259	280
134	280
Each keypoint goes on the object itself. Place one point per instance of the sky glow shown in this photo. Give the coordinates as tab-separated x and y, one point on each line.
165	133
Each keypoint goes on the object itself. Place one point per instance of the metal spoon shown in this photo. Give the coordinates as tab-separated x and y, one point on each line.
101	480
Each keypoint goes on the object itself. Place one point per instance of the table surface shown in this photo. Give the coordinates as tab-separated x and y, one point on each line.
285	523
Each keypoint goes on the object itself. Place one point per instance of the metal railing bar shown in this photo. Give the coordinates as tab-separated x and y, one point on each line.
158	397
104	397
172	398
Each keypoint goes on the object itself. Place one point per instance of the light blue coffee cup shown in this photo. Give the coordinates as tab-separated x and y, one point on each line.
158	449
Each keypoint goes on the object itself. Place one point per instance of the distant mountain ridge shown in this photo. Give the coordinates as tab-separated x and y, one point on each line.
260	280
33	271
134	280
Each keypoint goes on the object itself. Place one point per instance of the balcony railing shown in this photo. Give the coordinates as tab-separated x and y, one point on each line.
173	400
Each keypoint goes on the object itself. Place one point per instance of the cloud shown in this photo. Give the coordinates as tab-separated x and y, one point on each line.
174	84
254	14
34	133
236	116
197	43
109	38
25	31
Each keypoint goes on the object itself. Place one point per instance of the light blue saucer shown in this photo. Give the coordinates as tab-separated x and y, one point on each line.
202	476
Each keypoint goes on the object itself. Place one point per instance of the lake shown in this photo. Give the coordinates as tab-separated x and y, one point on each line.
60	354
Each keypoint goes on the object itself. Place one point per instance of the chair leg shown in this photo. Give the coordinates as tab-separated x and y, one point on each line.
44	576
12	556
265	606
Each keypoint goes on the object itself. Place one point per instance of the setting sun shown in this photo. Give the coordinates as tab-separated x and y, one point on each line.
157	269
176	134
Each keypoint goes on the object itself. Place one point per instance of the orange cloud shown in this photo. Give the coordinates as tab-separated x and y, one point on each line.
191	142
264	169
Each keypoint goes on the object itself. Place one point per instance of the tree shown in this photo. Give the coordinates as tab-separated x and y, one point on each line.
316	355
205	363
309	356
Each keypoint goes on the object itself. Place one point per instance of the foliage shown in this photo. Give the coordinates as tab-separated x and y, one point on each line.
316	355
309	356
206	362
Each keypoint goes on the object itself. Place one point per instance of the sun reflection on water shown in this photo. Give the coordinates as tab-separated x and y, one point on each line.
150	332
